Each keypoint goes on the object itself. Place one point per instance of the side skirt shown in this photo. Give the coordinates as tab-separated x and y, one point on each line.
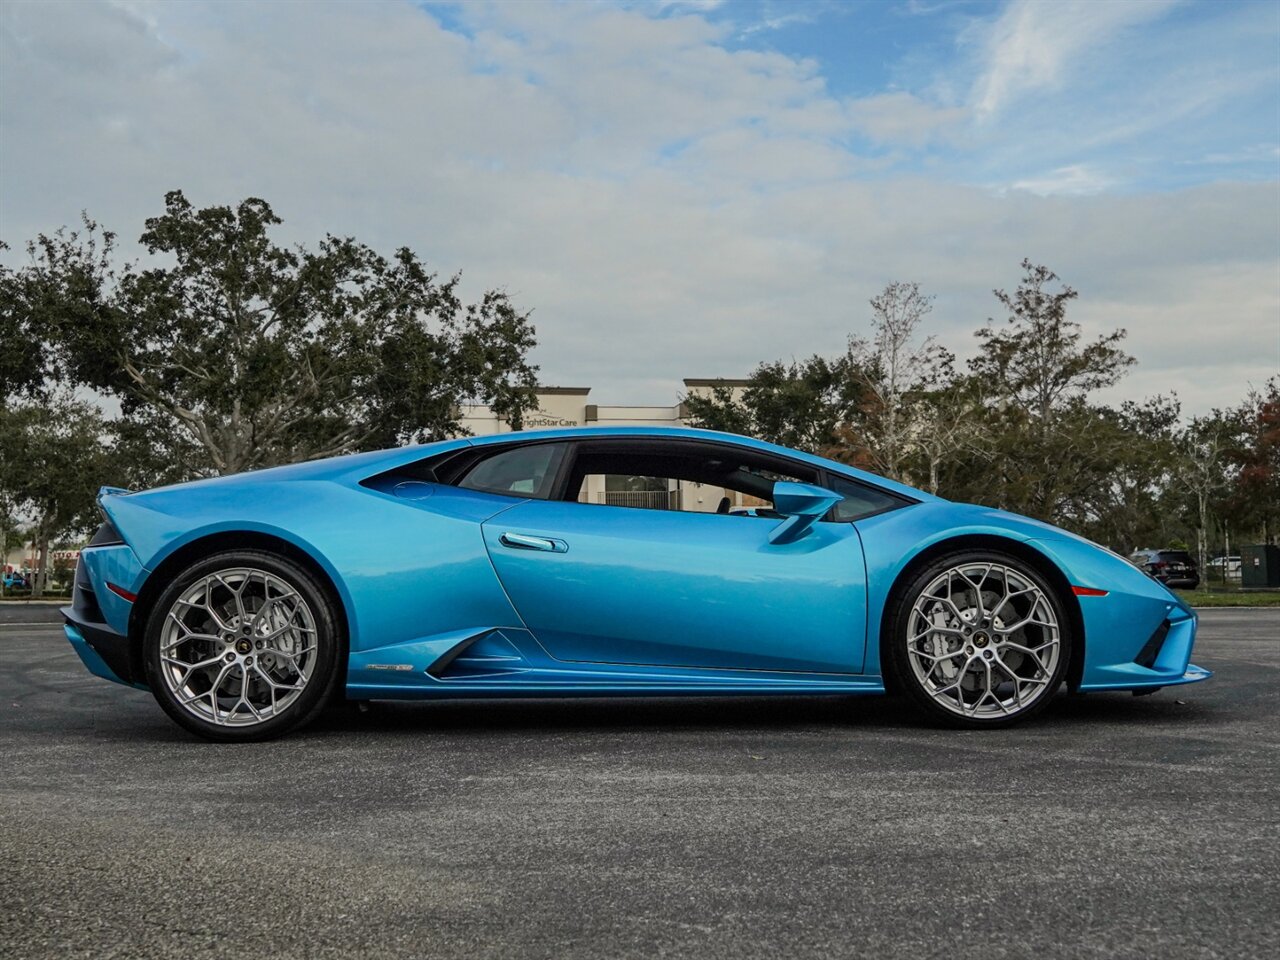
508	662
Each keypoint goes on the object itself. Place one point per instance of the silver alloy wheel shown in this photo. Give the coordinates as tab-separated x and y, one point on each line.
238	647
983	640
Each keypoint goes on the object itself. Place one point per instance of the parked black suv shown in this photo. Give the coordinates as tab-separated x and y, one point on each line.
1173	568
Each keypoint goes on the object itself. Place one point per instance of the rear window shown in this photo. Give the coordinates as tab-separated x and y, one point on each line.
528	471
1174	556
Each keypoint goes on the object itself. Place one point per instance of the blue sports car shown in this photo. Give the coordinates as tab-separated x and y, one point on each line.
594	562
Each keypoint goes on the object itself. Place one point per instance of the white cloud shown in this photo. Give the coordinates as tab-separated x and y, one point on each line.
1261	151
668	207
1076	180
1034	43
777	21
904	118
702	6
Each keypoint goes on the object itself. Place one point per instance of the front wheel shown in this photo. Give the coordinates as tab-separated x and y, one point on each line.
243	645
979	638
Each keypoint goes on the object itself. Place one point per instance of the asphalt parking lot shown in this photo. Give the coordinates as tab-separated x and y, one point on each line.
1114	827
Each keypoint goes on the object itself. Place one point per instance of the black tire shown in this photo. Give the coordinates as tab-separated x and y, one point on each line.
901	676
329	648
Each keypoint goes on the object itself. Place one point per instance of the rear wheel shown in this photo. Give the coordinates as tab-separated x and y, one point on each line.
243	645
979	639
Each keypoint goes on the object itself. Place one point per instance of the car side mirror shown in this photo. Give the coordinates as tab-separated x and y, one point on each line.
803	505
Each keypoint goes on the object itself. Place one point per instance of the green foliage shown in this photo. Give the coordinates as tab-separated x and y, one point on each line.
239	353
12	534
60	288
1036	361
1133	469
1050	446
806	405
1231	598
1253	496
53	458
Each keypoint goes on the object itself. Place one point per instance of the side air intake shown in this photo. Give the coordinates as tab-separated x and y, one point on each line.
1150	651
489	654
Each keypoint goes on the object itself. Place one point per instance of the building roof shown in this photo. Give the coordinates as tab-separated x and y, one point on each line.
715	382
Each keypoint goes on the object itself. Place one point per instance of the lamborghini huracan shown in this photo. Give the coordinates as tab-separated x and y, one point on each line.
601	562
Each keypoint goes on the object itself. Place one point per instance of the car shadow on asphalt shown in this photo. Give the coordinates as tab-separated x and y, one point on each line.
711	713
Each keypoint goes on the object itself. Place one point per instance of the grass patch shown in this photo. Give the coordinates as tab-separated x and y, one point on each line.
1230	598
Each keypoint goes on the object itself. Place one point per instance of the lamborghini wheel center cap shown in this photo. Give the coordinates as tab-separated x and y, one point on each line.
243	645
981	639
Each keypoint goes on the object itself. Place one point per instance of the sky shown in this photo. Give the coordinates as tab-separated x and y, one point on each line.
685	189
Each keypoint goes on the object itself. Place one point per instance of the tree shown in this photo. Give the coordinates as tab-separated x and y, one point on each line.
1202	467
1131	508
947	418
895	369
721	410
254	354
873	406
1038	375
1037	360
1253	498
54	456
806	405
62	287
149	452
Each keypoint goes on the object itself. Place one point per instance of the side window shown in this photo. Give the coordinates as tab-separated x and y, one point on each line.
710	482
524	471
859	500
630	490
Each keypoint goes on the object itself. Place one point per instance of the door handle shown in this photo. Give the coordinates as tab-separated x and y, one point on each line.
520	541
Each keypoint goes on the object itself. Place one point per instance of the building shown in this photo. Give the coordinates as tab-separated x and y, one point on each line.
572	407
